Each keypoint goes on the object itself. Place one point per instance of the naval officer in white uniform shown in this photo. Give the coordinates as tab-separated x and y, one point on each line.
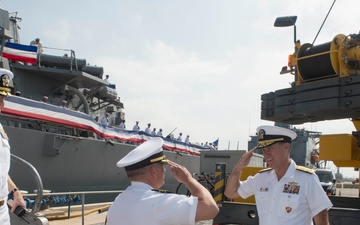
6	184
140	203
285	193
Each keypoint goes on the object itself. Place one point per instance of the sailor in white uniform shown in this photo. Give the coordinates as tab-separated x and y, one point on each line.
122	125
179	137
136	126
153	132
147	129
159	133
6	184
285	193
105	119
187	139
142	203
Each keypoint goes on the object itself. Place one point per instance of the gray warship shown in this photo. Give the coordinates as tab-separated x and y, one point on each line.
69	148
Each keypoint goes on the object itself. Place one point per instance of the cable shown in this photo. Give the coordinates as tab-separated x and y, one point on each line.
323	23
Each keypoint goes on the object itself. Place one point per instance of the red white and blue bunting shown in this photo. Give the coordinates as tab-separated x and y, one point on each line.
35	110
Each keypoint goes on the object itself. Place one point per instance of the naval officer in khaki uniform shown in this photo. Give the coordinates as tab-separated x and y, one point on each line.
285	193
140	203
6	184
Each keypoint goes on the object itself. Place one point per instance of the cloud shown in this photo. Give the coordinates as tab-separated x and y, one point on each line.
138	19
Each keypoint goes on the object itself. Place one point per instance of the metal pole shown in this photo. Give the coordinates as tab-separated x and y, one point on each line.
69	210
39	184
219	182
83	208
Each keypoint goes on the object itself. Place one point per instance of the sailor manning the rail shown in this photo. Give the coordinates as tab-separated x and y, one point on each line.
6	184
136	126
285	193
141	203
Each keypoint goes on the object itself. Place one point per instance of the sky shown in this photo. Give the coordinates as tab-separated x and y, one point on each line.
199	67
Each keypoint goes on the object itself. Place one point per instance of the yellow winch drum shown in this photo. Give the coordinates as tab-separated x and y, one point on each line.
314	62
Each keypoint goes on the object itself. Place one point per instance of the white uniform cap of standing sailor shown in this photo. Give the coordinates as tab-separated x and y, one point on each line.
268	135
145	154
5	78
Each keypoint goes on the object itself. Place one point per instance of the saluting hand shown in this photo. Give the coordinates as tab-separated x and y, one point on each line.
180	172
245	159
233	180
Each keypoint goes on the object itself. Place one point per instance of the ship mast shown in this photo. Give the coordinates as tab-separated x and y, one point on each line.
14	28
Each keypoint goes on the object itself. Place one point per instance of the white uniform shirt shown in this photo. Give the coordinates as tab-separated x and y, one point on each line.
187	140
122	125
147	130
105	121
295	199
4	170
136	128
139	204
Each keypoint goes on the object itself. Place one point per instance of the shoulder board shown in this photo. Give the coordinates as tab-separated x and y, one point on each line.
161	190
264	170
305	169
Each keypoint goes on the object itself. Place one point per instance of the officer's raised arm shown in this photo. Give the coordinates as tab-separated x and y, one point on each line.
206	208
233	181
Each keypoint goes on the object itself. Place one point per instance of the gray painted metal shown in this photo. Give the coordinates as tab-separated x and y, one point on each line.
246	214
28	219
328	99
209	159
236	213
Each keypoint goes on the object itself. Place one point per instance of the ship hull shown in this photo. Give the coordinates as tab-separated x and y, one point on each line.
67	163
